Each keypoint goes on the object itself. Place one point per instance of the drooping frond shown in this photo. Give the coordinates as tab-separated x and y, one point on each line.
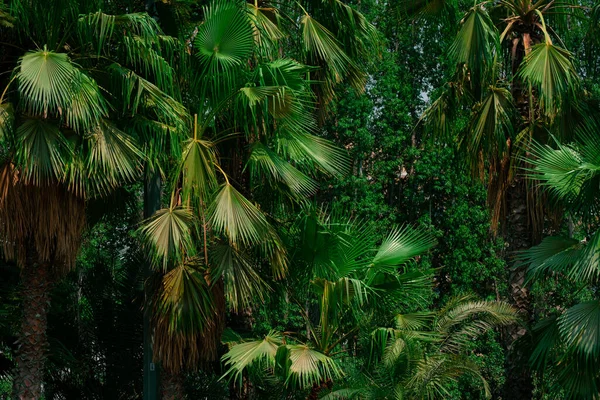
237	218
323	48
113	158
550	69
491	127
42	152
244	355
309	366
183	310
168	232
263	162
476	44
242	281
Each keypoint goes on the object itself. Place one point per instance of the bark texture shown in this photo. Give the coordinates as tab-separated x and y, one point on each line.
33	342
172	386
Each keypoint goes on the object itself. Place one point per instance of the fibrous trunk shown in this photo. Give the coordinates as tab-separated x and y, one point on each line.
33	342
172	386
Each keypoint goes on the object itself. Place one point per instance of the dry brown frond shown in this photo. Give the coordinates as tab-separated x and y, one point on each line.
49	216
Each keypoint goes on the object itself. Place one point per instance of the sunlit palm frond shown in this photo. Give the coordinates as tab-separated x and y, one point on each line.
198	168
168	232
247	354
51	85
113	158
401	245
234	216
309	366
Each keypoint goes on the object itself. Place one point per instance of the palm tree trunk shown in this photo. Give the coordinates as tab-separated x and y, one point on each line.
518	376
33	342
172	386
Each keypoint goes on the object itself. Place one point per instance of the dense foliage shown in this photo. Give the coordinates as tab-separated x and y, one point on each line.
317	199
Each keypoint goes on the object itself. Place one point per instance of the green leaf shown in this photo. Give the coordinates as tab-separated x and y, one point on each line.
324	49
237	218
580	327
477	43
49	84
113	158
258	352
401	245
184	300
168	232
225	40
263	162
309	367
42	152
243	284
549	68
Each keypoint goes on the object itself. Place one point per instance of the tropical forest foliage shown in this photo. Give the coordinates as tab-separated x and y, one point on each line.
312	199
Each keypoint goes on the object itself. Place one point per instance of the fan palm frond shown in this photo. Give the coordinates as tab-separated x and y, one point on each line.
168	232
550	69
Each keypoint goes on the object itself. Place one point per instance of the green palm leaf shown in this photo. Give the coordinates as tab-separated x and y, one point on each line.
49	84
244	355
401	245
309	149
168	232
580	328
113	158
42	152
237	218
198	168
324	49
549	68
184	300
491	126
309	367
477	43
242	282
225	40
263	162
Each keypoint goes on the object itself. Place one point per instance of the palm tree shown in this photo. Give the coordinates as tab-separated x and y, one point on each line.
347	274
425	352
254	126
71	116
566	342
514	81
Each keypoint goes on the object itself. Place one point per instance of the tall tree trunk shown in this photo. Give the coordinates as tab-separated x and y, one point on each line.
172	386
33	342
152	197
518	376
